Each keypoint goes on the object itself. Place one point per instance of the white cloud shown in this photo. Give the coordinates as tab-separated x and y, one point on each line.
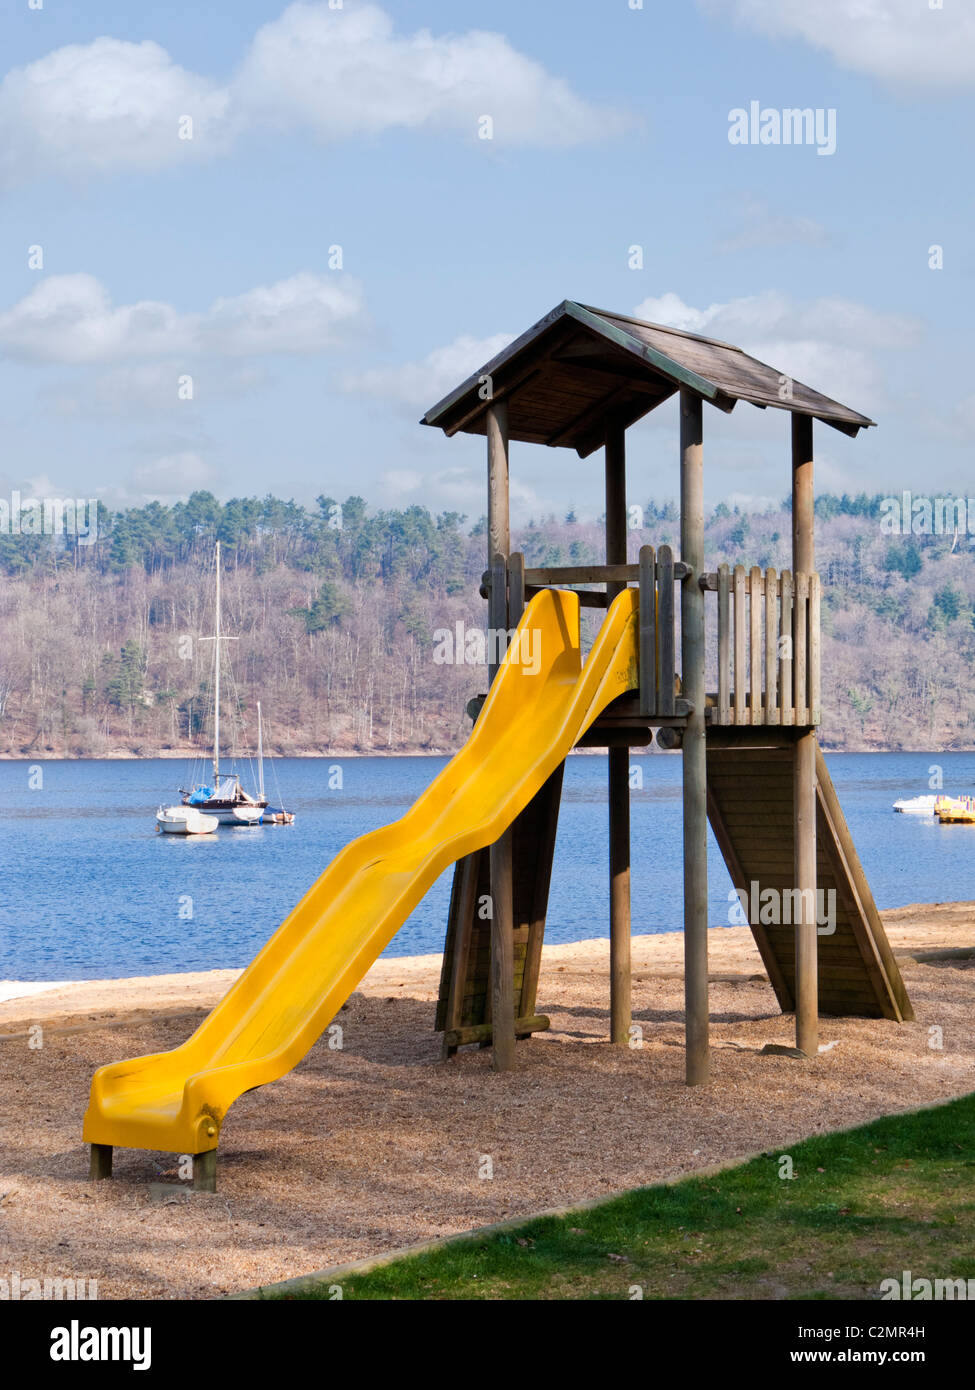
421	384
107	105
306	313
112	106
71	319
346	72
829	344
903	40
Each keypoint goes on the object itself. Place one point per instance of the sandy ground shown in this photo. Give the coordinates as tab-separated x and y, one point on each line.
381	1144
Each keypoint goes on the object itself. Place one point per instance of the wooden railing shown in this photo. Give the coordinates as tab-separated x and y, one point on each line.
768	632
768	647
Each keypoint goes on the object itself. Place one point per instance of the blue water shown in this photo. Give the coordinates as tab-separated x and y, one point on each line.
90	891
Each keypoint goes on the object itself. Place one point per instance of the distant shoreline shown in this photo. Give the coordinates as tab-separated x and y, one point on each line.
192	755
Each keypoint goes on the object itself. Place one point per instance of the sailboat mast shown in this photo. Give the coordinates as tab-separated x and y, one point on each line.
260	753
216	684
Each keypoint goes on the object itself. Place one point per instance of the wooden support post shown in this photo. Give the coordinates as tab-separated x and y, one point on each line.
459	929
100	1163
205	1171
620	1005
806	930
695	784
502	955
498	518
502	911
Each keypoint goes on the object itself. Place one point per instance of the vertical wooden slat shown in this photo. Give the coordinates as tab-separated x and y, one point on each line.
516	588
771	646
800	628
497	615
666	633
740	672
755	644
724	644
814	648
648	631
785	664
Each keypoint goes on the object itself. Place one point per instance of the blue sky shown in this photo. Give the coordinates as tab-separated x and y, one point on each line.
357	127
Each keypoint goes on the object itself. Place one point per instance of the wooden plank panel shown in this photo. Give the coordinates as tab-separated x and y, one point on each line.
771	647
755	644
724	645
800	633
648	630
740	676
786	697
815	639
666	630
516	588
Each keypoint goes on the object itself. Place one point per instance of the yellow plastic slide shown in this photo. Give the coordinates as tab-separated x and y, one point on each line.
541	702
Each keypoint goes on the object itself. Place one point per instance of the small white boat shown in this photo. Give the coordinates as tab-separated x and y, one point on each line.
916	805
184	820
223	797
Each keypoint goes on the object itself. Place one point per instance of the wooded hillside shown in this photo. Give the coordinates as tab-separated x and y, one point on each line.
336	608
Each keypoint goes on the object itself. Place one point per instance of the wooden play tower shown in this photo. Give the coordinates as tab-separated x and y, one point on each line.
751	761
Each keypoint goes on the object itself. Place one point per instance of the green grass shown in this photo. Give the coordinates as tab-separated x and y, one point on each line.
862	1206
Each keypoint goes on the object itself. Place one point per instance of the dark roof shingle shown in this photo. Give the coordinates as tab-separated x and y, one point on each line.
579	366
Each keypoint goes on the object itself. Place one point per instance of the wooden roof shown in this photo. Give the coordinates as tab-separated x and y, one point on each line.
579	366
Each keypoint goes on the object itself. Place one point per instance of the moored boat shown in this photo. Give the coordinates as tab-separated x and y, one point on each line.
916	805
222	798
184	820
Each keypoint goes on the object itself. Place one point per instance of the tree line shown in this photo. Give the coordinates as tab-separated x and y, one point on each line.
337	606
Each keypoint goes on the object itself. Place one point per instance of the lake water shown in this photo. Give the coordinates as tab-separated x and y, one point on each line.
91	891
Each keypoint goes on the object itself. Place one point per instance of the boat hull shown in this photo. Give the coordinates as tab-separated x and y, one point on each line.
229	812
184	820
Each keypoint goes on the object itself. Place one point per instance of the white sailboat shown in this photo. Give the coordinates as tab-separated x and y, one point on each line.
273	815
224	800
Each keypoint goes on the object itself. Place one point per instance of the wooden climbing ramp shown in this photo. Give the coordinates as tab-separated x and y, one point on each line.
750	807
